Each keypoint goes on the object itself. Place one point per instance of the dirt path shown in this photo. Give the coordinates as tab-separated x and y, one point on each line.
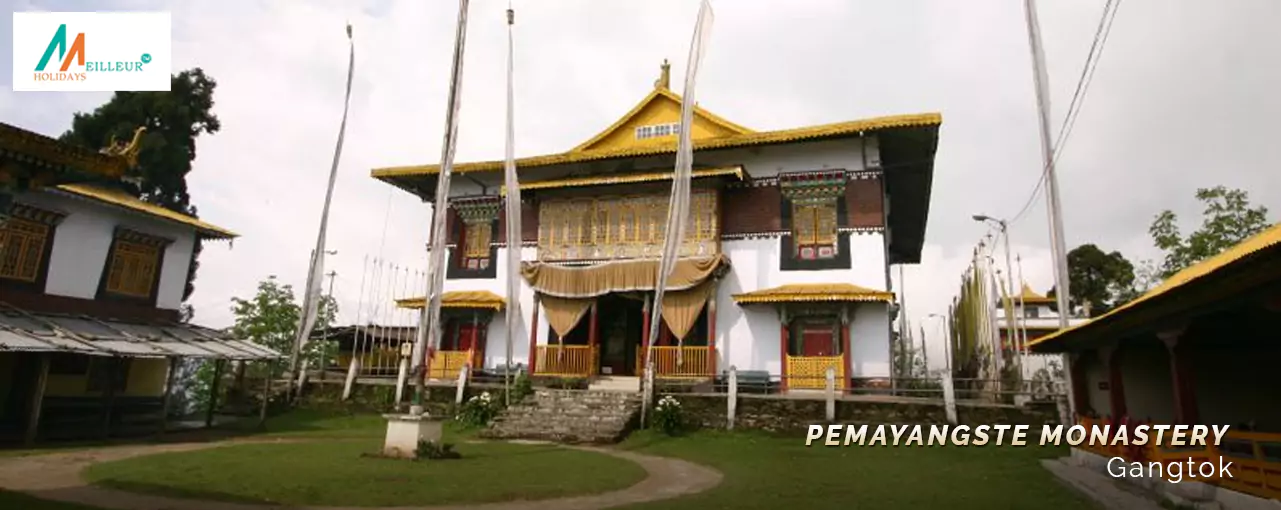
56	477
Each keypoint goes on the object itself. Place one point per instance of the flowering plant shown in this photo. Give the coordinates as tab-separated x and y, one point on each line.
667	415
478	411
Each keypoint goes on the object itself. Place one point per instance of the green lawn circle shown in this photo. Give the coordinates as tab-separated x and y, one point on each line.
334	473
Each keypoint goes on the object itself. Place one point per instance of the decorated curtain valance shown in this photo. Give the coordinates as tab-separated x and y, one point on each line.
681	308
483	209
563	314
622	276
812	187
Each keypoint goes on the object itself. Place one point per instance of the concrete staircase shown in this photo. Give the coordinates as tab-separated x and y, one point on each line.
569	416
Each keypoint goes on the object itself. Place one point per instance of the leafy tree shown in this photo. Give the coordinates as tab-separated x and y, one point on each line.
1228	220
1104	280
173	120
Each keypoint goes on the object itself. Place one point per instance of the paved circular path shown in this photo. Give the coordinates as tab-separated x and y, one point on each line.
56	476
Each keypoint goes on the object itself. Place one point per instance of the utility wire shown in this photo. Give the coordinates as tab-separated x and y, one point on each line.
1101	34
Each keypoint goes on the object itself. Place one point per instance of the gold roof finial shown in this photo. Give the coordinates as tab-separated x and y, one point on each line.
128	151
664	79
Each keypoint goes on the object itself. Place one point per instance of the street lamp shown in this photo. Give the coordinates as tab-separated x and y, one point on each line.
1009	283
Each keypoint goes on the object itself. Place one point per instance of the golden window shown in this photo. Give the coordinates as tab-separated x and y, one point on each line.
133	268
814	229
616	227
477	237
22	249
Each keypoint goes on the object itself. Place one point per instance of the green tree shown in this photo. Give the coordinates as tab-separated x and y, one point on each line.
1104	280
1228	220
174	120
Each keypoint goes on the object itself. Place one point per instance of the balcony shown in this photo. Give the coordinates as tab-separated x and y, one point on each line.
675	362
566	360
1256	458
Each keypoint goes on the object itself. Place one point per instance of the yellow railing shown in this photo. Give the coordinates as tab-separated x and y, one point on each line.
810	372
381	361
566	361
693	363
446	364
1255	457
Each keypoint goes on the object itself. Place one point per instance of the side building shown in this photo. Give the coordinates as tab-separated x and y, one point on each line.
91	285
785	268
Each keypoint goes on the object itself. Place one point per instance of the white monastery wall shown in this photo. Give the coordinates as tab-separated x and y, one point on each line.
1145	375
83	239
1095	373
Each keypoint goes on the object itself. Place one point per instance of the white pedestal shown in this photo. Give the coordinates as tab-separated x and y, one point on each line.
404	431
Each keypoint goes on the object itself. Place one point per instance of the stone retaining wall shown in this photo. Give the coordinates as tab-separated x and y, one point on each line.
789	414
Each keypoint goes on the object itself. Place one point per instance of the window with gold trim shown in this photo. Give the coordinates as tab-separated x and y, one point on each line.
22	249
133	268
621	227
476	239
814	229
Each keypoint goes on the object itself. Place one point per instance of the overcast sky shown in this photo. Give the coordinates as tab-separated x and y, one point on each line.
1185	96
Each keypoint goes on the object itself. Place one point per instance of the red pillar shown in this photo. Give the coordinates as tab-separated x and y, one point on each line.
782	348
476	348
1185	405
845	353
644	333
533	336
1116	385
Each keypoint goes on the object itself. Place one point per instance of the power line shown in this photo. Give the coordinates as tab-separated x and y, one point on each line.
1101	34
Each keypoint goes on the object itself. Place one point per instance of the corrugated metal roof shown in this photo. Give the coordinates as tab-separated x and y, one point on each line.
21	331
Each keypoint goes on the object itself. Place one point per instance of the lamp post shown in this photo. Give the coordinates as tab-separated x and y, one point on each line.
1009	288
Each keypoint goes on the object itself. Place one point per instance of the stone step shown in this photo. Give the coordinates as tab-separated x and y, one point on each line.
573	416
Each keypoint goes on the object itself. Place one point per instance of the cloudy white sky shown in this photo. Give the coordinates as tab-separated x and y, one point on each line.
1184	97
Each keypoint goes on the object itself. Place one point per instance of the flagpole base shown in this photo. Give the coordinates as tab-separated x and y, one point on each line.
406	432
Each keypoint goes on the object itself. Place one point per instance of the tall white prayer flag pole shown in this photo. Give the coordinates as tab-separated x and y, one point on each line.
514	240
315	273
678	206
429	330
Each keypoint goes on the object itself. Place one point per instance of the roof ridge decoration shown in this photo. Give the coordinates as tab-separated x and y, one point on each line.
660	93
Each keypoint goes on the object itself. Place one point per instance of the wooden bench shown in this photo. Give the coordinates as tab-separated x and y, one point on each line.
749	381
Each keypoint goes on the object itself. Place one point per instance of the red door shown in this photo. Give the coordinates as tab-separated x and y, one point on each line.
817	341
468	337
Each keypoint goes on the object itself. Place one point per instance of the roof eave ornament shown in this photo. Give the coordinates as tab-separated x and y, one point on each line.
127	151
665	78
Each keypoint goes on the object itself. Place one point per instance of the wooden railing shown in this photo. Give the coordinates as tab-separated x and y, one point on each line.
693	362
1255	457
566	361
810	372
446	364
1257	463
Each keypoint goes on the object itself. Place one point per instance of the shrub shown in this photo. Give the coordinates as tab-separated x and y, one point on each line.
667	415
431	450
522	387
478	411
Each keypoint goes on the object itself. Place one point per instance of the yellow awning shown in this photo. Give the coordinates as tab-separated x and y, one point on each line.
605	180
1204	269
814	293
459	299
127	201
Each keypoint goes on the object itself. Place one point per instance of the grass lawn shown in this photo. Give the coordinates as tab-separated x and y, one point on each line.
19	501
770	472
335	473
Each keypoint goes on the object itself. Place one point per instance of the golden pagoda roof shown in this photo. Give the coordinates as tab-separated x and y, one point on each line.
812	293
1173	286
51	154
458	299
1030	297
124	200
662	106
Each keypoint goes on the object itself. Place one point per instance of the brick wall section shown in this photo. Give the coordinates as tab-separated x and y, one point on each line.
791	415
863	203
750	210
